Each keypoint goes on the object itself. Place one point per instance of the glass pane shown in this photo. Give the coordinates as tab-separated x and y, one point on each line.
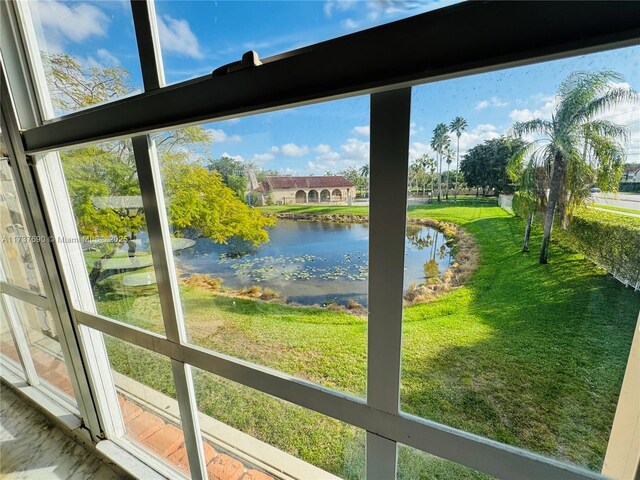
17	258
326	444
103	187
44	347
414	464
197	37
7	345
272	240
494	342
88	51
146	394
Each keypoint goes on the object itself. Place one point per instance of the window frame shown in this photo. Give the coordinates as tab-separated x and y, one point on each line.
374	61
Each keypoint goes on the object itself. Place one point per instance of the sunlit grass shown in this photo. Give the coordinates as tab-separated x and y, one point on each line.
528	354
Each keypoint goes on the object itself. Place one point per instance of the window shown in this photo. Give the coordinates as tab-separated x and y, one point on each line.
493	342
87	53
103	188
16	250
198	37
288	291
234	378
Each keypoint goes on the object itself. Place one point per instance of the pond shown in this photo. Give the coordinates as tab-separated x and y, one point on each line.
313	262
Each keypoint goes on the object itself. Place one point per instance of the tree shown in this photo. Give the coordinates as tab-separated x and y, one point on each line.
439	142
532	181
232	172
414	175
457	126
200	200
353	175
580	148
103	183
485	165
364	173
73	87
448	154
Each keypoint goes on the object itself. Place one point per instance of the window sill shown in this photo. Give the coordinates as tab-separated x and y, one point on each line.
239	445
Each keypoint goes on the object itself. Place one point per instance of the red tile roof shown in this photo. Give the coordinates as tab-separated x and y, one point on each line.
335	181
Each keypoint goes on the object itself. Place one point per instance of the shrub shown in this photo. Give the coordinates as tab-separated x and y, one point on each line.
353	305
629	187
608	239
203	281
252	291
268	294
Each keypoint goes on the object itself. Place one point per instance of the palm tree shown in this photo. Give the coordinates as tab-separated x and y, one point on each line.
364	172
579	148
432	170
414	172
439	142
448	155
457	126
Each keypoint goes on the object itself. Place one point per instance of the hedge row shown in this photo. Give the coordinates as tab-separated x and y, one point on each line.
629	187
610	240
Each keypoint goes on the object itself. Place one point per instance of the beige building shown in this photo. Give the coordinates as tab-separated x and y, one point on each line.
322	189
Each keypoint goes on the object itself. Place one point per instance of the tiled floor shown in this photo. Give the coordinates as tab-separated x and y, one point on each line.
146	428
31	447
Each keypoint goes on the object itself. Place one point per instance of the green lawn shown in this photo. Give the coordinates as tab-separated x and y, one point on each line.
526	354
617	209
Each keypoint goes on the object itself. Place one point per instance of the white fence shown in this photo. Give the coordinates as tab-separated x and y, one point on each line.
505	201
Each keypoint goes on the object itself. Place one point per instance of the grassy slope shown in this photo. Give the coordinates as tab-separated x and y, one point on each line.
617	209
526	354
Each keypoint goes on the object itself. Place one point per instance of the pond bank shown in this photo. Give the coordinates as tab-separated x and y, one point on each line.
464	263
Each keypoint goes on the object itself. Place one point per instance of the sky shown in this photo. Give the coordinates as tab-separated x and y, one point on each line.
199	36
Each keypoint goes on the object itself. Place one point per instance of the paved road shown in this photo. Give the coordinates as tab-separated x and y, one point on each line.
618	200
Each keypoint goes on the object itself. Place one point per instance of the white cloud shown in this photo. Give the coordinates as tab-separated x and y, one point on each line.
240	158
275	149
492	102
417	149
220	136
476	136
322	148
349	24
176	37
261	157
544	111
104	58
293	150
338	5
356	149
329	156
363	130
62	23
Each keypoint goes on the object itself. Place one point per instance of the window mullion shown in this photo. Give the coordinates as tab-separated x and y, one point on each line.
390	113
160	241
148	39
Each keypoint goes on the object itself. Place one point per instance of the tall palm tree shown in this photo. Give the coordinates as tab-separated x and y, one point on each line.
432	170
448	155
439	142
414	173
364	172
457	126
579	148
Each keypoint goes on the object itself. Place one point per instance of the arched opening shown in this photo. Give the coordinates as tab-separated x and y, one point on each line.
313	195
301	197
325	196
336	195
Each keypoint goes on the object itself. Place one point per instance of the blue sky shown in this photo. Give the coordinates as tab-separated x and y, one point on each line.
198	36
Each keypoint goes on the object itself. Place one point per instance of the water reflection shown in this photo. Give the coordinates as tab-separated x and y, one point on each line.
314	262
